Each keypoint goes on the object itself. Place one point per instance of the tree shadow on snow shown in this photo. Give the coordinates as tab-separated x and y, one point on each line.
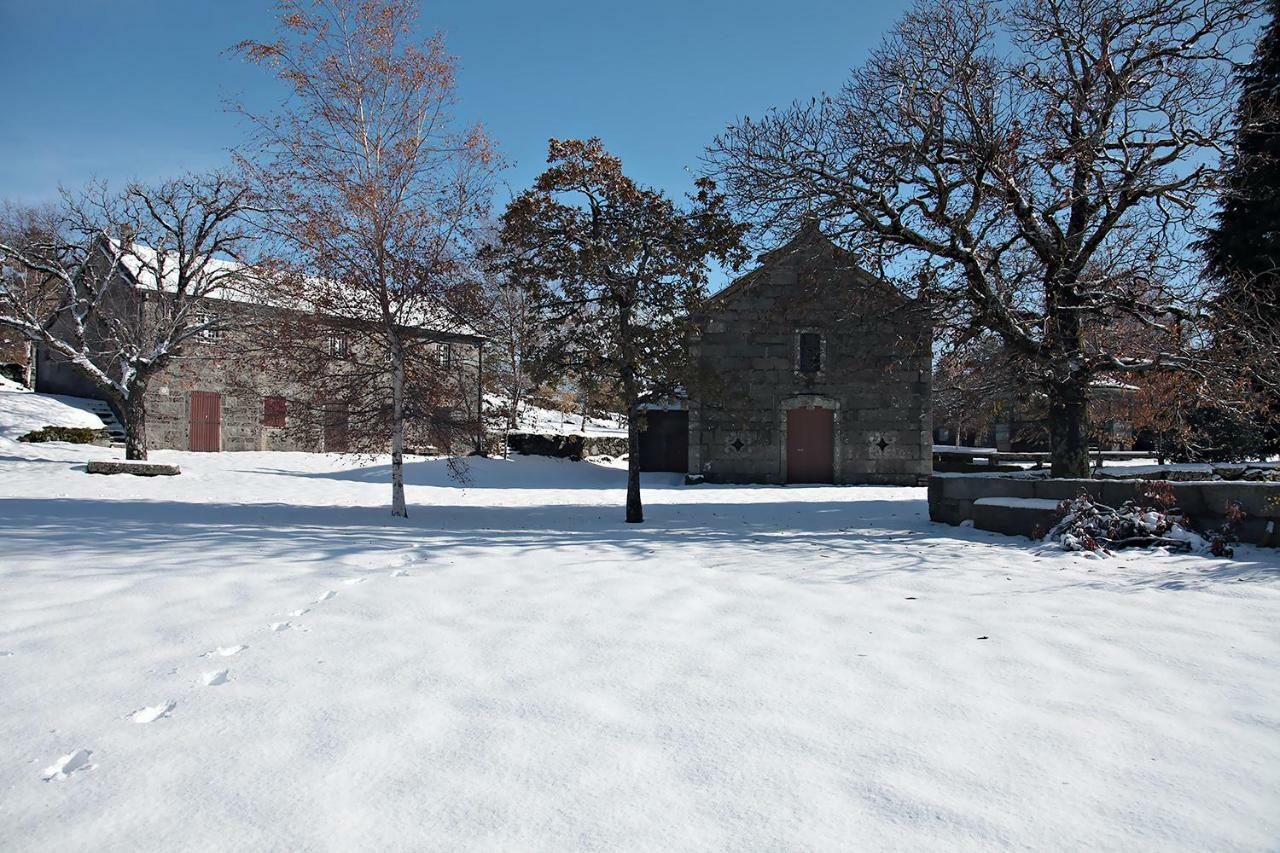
522	472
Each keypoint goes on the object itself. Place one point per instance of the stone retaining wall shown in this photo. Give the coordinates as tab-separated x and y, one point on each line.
566	446
952	496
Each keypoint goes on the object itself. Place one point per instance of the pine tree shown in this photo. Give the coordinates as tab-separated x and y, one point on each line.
1243	248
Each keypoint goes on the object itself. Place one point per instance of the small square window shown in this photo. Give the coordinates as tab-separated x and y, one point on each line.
273	411
810	352
444	352
210	334
338	346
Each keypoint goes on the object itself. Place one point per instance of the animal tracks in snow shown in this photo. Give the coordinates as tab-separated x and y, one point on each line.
213	679
325	596
224	651
354	581
153	713
72	762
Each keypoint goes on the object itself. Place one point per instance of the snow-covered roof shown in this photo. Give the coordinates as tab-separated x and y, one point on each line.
238	282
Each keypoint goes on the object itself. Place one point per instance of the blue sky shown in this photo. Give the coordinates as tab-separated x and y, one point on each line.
122	89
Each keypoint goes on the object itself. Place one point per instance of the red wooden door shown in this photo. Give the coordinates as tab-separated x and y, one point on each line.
206	421
810	446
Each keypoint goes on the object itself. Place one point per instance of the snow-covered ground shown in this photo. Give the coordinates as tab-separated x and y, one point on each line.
22	411
536	419
254	656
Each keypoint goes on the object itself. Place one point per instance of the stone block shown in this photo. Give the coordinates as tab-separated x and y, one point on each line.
140	469
1030	517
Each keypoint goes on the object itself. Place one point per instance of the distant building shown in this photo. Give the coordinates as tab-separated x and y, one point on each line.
807	369
216	396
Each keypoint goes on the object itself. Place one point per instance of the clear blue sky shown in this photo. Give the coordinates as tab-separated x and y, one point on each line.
122	89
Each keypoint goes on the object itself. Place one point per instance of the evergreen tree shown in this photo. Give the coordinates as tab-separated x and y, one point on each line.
1243	251
1243	247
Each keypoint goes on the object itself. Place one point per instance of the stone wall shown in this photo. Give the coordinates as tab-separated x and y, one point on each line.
952	497
875	370
566	446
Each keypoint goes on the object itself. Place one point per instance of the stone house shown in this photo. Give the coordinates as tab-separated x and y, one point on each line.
809	369
216	397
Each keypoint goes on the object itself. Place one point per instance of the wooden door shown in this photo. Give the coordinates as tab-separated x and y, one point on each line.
337	423
664	442
206	421
810	446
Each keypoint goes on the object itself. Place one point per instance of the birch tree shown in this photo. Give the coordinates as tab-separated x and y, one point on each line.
118	285
1043	162
376	190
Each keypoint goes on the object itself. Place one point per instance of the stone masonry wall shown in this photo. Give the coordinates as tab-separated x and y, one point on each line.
875	372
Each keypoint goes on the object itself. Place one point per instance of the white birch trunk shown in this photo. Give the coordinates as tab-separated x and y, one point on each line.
398	507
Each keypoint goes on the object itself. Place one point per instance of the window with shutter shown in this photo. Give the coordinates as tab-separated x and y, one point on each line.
273	411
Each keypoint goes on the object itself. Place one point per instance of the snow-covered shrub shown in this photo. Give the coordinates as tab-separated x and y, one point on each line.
72	435
1151	519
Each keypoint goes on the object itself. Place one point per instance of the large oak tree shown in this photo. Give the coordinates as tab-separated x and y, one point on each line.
615	269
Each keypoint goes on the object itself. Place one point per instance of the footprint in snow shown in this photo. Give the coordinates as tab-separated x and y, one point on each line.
354	581
325	596
153	713
300	611
213	679
6	654
399	573
280	626
70	763
224	651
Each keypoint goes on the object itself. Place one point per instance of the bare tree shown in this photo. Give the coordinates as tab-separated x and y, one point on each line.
510	322
376	193
117	285
1041	161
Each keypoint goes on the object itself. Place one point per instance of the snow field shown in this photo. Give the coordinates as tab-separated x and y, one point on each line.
514	668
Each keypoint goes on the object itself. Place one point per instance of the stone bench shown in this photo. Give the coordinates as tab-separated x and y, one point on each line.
140	469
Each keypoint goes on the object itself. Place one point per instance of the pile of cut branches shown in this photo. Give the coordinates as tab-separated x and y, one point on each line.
1150	520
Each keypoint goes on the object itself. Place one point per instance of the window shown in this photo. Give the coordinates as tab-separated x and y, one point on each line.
212	334
338	347
810	352
273	411
444	352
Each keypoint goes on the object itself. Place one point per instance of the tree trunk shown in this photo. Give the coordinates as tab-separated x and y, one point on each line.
134	408
398	507
635	510
1069	429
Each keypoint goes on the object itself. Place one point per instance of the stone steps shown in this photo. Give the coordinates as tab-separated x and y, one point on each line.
115	429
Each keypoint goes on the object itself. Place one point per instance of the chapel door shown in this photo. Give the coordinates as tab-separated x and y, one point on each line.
206	421
810	446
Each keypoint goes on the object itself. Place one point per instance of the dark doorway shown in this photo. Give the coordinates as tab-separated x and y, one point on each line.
206	421
664	442
337	426
810	446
